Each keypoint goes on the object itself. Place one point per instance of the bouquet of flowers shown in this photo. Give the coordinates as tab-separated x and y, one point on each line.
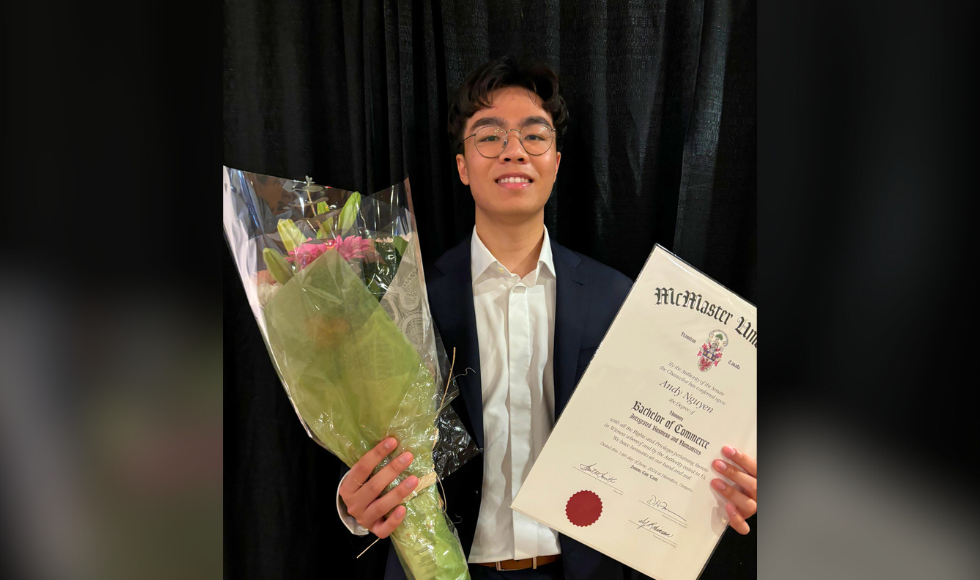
335	281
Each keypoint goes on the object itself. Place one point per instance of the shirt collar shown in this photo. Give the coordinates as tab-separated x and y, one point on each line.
481	259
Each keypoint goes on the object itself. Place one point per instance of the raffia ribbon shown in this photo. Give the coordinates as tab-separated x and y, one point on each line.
424	482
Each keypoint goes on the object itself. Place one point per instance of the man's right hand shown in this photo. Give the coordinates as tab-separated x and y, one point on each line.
360	492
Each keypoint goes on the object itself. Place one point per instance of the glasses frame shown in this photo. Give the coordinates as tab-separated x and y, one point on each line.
520	139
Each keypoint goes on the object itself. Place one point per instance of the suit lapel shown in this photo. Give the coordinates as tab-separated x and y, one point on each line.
451	301
571	307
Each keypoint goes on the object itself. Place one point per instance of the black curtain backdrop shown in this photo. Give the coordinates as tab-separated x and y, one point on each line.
660	148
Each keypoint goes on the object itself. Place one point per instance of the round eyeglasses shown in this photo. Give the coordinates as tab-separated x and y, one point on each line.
491	141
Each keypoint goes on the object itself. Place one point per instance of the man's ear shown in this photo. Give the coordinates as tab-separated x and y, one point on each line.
557	160
461	167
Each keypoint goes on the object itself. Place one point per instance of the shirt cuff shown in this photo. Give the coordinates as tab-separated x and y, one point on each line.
349	521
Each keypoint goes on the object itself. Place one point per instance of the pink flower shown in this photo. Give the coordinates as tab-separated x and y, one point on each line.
305	253
353	247
349	248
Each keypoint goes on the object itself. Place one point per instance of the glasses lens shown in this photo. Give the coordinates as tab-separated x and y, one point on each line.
537	138
489	141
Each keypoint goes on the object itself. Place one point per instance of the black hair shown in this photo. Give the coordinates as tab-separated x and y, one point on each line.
474	94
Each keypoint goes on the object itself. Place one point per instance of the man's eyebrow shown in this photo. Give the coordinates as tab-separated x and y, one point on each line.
498	122
534	119
488	121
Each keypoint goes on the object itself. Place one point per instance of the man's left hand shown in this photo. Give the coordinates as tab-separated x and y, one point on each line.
742	498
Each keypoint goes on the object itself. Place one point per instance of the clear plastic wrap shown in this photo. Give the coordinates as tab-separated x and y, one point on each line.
336	285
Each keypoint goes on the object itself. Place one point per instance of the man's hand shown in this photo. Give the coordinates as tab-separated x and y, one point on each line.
742	504
360	491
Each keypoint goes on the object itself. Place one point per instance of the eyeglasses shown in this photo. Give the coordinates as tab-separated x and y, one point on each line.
491	141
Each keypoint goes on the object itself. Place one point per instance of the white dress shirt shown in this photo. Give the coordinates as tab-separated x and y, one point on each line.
515	322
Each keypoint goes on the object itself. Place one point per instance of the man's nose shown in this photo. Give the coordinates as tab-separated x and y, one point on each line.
513	149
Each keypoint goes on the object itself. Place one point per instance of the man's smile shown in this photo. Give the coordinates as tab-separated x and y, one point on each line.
514	181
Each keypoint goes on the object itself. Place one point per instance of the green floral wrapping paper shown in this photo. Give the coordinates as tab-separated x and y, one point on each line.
356	379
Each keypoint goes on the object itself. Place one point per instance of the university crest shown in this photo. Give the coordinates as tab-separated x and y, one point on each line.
710	353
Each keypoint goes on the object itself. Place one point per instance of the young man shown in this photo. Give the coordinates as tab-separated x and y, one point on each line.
527	315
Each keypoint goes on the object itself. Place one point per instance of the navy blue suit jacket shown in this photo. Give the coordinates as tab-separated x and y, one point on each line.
588	296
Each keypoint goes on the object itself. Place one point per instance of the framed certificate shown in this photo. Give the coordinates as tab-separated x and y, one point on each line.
627	468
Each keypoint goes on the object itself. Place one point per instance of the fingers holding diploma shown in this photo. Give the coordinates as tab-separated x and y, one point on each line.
743	496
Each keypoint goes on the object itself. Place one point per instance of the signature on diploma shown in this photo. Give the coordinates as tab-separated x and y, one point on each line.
662	505
653	527
603	475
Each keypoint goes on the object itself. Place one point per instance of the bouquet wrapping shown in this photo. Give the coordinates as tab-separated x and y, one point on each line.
336	284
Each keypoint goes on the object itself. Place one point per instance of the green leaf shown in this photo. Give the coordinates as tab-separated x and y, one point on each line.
326	229
322	207
400	245
277	265
348	215
375	289
290	234
378	276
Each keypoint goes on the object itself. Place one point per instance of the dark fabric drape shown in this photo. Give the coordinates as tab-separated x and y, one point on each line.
660	148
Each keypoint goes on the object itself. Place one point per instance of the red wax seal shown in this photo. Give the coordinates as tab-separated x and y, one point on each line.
583	508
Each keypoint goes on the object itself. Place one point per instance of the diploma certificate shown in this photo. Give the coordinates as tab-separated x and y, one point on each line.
627	468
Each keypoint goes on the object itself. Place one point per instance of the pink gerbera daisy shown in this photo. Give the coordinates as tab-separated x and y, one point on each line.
310	250
353	247
349	248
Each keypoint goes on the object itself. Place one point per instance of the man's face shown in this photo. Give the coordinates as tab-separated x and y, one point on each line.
511	108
